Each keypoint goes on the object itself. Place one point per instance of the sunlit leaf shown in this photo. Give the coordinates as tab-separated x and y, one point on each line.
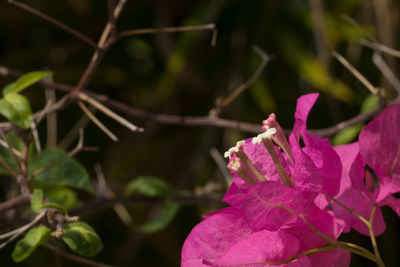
369	103
37	200
347	135
17	109
24	248
82	239
148	186
25	81
67	171
161	220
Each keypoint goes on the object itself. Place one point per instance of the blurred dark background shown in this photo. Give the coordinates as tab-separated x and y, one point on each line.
182	74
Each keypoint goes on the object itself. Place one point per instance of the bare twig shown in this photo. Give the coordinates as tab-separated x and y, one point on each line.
109	112
207	27
191	120
356	73
380	47
97	122
99	52
50	95
36	137
14	202
17	232
219	160
386	71
105	192
76	258
74	132
358	26
224	103
54	22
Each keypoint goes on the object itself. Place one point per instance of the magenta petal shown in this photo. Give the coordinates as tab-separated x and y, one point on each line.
379	142
264	205
331	258
361	203
211	238
347	155
317	166
261	247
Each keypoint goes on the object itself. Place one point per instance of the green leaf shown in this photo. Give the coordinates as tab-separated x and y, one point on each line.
5	154
37	200
347	135
63	196
82	239
24	248
161	220
148	186
25	81
369	103
17	109
68	171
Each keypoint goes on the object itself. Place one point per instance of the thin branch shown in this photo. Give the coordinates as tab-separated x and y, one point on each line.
97	122
109	112
187	120
380	47
219	160
14	202
76	258
54	22
17	232
386	71
99	52
264	60
206	27
36	137
50	95
356	73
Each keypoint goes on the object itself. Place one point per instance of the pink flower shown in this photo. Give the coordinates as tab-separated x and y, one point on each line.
275	211
371	172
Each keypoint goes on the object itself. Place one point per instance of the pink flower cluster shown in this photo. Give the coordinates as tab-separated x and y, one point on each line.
287	196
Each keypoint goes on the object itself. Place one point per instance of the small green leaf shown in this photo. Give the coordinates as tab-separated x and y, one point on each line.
347	135
68	171
17	109
37	200
82	239
24	248
25	81
161	220
63	196
14	140
148	186
369	103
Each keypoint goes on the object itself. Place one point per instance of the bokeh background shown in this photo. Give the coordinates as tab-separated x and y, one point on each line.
182	74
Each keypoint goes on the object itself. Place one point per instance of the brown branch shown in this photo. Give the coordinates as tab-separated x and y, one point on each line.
206	27
264	60
194	120
53	22
14	202
380	47
76	258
